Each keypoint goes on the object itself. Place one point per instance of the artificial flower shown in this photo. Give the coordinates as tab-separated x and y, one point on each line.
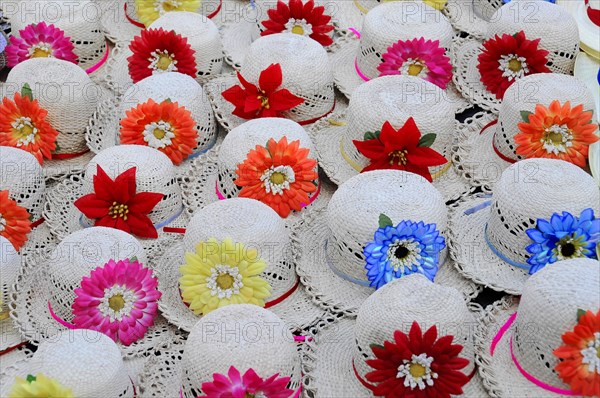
23	125
150	10
418	57
563	237
401	149
248	385
509	58
116	204
579	355
39	41
119	299
167	127
39	386
557	132
418	365
160	51
15	221
222	273
437	4
301	19
266	100
405	249
280	175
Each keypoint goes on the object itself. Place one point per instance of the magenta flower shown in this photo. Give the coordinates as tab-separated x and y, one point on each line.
119	300
418	57
37	41
250	384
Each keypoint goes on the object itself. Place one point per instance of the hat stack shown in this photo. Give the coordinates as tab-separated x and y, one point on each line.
10	266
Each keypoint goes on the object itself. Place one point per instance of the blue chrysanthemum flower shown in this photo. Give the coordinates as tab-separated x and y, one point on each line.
402	250
562	238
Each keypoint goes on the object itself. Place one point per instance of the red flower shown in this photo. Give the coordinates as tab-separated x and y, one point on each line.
403	149
116	204
508	58
301	19
264	101
418	365
160	51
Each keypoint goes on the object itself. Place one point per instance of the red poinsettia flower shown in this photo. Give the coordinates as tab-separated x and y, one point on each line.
301	19
417	365
266	100
508	58
402	149
116	204
159	51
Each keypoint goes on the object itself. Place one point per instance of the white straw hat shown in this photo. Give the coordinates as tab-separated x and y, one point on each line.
186	122
190	41
337	260
253	242
542	211
154	176
538	118
241	164
305	73
3	44
10	266
339	358
240	336
74	26
107	287
392	99
523	38
528	348
587	15
81	363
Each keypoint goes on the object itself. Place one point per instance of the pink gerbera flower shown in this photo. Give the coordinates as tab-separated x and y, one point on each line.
119	300
37	41
418	57
250	384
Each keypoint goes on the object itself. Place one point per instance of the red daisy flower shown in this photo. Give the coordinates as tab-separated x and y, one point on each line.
403	149
418	365
160	51
116	204
508	58
301	19
263	101
14	221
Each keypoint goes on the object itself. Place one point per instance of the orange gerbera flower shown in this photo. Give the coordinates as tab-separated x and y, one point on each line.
557	132
23	125
14	221
280	175
167	127
580	356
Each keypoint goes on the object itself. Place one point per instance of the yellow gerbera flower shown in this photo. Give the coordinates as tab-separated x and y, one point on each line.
150	10
38	386
222	273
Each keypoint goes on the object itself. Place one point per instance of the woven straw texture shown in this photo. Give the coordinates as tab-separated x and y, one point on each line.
327	359
528	190
11	362
393	99
10	265
547	310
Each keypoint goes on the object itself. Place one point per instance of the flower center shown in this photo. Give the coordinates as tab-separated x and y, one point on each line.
25	131
570	247
417	372
513	66
277	179
164	6
40	50
264	100
224	281
401	252
299	27
118	210
158	134
257	395
591	354
398	156
162	61
117	302
404	253
414	67
557	139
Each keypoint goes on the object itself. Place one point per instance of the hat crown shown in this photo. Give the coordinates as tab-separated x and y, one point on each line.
154	173
548	309
535	189
244	336
486	8
354	209
10	266
23	177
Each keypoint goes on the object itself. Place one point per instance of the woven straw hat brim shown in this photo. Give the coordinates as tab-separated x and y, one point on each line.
463	18
11	361
588	31
345	14
473	257
9	336
327	135
327	364
162	376
334	292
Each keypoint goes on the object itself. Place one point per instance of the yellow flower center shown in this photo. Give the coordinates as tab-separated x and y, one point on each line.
398	156
298	29
277	178
598	351
41	53
264	100
417	370
118	210
415	69
225	281
556	138
515	65
116	302
159	134
164	61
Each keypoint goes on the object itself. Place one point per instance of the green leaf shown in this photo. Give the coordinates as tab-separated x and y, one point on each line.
427	140
372	135
168	100
525	116
133	259
31	378
580	313
375	346
384	221
26	91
